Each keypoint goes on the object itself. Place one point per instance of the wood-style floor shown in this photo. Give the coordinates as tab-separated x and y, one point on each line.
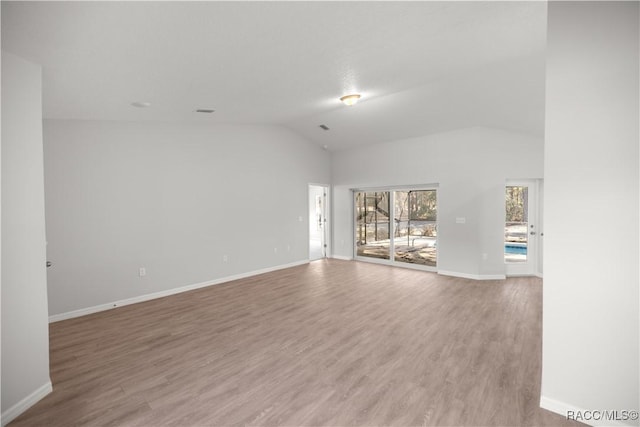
331	343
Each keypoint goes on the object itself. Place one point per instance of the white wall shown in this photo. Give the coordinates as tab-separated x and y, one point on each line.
25	332
173	198
590	332
470	166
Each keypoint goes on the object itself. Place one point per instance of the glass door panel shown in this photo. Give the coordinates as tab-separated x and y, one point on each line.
373	224
415	230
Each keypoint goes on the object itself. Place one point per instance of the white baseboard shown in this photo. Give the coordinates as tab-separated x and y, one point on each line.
473	276
563	409
162	294
525	275
26	403
344	258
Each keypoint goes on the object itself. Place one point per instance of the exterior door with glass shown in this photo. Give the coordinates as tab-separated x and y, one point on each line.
520	229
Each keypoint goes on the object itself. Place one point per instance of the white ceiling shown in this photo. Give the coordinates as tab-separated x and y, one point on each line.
421	67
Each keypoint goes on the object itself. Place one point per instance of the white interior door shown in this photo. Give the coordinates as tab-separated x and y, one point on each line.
521	229
540	227
317	222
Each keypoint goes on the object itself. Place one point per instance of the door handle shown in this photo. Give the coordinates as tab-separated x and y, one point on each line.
49	264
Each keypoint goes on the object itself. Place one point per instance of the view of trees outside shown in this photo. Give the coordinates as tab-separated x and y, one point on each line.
414	218
516	223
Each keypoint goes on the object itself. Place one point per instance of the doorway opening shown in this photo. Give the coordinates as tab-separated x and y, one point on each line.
317	222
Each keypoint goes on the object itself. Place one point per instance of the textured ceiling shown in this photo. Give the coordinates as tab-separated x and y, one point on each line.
422	67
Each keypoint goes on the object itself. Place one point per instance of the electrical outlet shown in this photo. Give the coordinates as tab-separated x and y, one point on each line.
275	250
142	271
225	258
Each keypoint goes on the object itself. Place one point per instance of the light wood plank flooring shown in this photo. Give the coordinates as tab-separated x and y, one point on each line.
331	343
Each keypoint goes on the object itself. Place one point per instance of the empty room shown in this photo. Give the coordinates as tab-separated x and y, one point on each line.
320	213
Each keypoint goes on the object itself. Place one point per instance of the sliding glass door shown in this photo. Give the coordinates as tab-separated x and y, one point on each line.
372	224
405	234
415	227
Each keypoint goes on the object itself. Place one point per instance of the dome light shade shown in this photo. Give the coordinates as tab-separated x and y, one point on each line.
350	99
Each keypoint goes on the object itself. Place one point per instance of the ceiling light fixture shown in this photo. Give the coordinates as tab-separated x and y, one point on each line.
141	104
350	99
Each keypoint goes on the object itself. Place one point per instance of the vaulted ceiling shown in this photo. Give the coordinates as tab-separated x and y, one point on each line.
421	67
